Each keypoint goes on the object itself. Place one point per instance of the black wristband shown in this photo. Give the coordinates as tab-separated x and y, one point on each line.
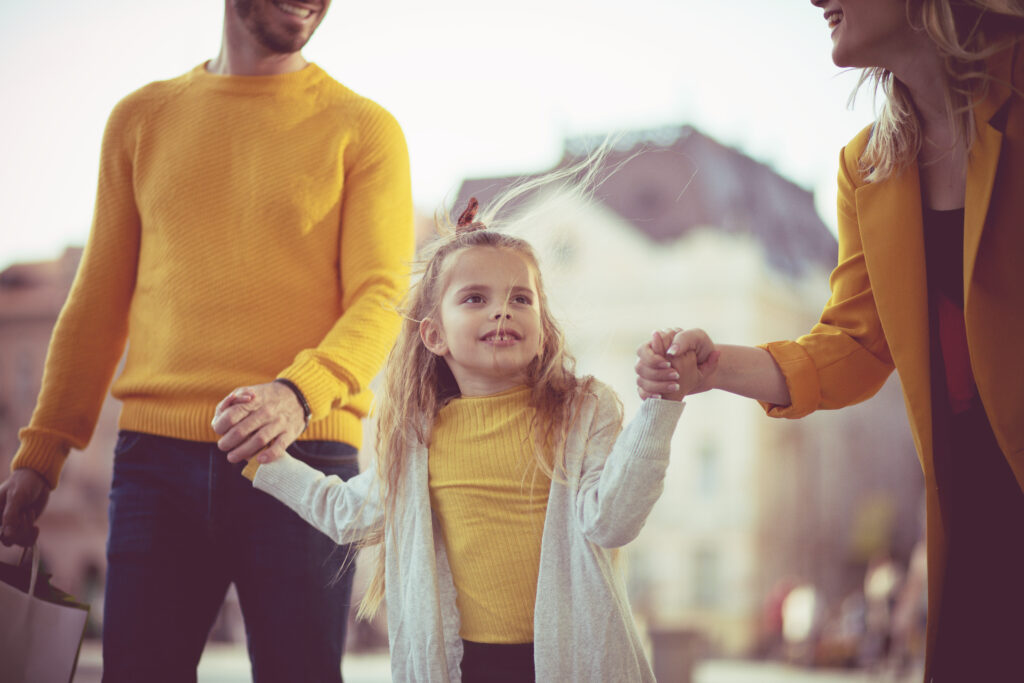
306	411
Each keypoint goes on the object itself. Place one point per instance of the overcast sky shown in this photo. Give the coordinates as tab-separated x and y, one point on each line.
480	88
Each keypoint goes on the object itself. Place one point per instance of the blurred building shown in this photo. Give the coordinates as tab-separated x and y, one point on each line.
74	526
690	233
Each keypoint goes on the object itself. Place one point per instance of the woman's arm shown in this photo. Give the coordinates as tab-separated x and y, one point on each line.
843	360
752	372
745	370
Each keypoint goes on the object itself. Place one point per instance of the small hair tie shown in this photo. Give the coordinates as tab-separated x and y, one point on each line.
465	222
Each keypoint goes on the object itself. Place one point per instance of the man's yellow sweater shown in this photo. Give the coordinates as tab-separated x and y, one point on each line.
246	228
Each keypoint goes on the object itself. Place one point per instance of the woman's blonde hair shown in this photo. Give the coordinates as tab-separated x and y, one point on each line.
967	33
418	383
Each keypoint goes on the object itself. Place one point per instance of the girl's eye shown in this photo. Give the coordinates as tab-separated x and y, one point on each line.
522	299
473	299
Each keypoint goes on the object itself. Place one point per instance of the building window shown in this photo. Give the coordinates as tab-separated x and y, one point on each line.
564	249
25	388
708	469
706	574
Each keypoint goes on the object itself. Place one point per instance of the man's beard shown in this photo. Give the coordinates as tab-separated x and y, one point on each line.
282	43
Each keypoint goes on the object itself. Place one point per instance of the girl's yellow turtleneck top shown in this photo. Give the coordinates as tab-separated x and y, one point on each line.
490	497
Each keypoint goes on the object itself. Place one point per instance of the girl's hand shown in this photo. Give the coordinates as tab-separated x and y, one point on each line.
655	375
675	363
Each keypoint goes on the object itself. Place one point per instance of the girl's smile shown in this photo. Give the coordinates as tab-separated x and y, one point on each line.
502	337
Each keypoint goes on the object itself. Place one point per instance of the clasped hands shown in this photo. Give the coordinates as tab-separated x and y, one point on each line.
261	421
676	363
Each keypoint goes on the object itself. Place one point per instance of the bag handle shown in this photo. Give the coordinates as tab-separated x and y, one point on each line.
34	573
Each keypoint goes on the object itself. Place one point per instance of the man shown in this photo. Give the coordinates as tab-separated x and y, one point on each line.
252	226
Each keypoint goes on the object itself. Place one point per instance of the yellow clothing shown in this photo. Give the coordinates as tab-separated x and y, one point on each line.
491	501
877	317
246	228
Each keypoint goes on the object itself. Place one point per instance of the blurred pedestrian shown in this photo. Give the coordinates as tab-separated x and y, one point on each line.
881	583
771	641
803	614
909	617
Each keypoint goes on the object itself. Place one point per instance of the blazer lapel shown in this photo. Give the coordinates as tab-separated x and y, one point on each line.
989	115
892	237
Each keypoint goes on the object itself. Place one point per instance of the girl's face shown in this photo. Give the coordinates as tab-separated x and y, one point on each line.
867	33
489	329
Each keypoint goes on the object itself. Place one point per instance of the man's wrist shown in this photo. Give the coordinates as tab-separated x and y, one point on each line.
307	412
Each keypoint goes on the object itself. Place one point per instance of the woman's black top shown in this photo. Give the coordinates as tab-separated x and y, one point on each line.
981	614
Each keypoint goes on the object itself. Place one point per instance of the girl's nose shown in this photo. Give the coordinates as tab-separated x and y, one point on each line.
507	315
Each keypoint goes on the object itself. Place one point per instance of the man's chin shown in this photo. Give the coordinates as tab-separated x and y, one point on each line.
285	46
283	41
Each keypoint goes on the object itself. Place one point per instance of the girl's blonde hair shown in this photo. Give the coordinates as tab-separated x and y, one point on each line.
417	383
967	33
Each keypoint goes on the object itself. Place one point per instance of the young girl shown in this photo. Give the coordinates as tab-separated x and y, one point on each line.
499	488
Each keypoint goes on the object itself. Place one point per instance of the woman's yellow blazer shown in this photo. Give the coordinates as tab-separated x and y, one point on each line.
877	316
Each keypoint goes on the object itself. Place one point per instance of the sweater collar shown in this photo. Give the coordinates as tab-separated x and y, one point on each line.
513	397
273	84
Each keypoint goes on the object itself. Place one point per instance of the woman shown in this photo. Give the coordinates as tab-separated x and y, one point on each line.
929	282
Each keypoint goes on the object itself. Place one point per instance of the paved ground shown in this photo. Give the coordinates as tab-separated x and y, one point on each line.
732	671
230	664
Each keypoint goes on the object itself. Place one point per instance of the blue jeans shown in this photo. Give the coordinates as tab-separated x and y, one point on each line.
184	525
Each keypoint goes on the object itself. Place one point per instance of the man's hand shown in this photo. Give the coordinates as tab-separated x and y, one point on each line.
261	421
22	499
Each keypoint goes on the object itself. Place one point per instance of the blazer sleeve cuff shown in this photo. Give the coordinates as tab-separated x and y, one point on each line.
801	375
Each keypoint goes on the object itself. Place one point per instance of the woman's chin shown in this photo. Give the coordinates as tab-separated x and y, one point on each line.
842	58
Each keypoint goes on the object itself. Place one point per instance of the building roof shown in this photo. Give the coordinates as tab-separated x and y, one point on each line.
37	290
680	180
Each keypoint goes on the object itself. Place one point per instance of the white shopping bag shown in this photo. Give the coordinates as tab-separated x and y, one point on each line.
41	628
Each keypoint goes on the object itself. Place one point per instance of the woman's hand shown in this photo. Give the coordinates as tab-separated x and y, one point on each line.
676	363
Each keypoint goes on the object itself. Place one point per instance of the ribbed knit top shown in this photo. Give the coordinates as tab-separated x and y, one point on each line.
246	228
491	500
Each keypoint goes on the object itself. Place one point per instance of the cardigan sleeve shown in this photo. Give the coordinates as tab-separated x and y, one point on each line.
622	478
346	511
845	358
92	328
376	248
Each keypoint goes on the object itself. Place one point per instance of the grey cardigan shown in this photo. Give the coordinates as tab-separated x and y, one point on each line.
583	626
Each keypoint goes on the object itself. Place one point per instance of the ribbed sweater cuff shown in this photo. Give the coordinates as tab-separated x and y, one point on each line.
43	452
656	423
320	387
